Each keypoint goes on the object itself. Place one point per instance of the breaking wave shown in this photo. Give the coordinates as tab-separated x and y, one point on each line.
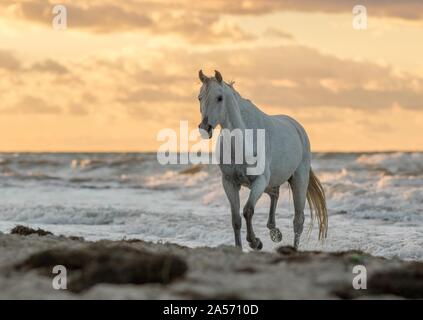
117	194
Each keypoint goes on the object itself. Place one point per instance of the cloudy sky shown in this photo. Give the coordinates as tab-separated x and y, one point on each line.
123	70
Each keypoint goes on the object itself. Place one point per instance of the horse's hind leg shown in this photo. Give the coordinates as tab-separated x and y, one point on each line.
275	233
299	186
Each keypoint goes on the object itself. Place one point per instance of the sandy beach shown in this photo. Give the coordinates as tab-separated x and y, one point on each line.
135	269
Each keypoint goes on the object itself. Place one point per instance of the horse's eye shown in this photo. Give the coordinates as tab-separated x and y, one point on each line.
219	98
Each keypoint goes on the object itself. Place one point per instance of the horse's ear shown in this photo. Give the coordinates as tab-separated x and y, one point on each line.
202	77
218	76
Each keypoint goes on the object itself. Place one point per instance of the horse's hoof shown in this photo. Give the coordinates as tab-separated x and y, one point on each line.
275	235
256	244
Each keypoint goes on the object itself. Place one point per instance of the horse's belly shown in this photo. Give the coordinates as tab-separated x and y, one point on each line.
283	166
279	177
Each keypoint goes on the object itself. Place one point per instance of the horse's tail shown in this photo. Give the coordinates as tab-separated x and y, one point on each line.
317	201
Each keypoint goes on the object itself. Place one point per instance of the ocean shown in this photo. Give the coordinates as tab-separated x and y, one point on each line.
375	200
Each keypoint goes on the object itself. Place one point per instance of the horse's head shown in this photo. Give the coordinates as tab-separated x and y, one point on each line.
212	103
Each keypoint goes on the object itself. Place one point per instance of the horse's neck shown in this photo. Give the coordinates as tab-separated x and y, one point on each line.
241	113
234	118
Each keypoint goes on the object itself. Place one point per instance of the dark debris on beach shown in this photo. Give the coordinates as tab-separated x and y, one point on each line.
26	231
98	263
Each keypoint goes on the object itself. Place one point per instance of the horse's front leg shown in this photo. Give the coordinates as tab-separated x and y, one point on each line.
257	189
232	192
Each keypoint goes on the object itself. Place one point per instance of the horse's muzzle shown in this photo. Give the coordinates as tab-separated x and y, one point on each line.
206	130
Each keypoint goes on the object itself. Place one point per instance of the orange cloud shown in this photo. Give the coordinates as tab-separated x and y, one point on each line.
105	15
289	77
8	61
154	17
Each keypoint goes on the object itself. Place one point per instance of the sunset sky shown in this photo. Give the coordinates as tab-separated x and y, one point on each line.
123	70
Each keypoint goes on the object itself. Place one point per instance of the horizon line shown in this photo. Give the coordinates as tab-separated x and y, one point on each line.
152	151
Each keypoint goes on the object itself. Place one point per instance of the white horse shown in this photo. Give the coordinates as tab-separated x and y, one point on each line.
287	158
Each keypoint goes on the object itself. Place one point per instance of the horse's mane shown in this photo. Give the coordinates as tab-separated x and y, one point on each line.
243	101
232	87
